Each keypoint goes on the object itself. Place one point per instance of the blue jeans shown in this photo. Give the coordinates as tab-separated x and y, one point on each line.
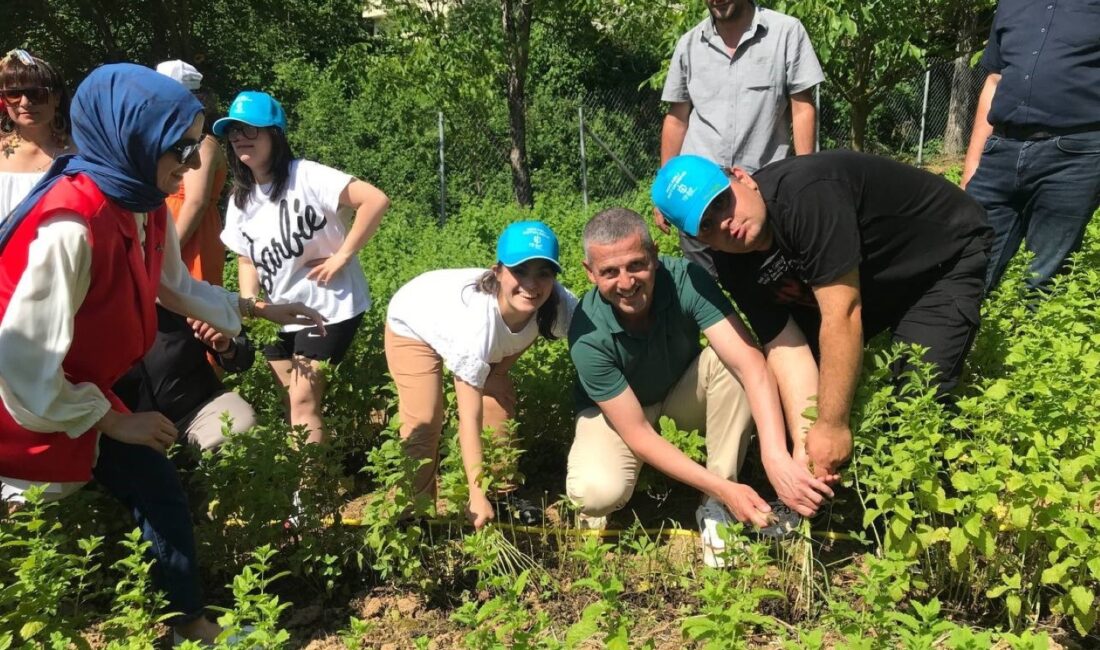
147	483
1042	192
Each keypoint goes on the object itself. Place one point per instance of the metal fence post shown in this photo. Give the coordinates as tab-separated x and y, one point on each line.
817	114
442	176
584	161
923	115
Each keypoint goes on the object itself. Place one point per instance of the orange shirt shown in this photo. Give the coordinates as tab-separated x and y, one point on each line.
204	254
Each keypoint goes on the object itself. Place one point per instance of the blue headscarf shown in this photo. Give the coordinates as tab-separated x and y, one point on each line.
124	117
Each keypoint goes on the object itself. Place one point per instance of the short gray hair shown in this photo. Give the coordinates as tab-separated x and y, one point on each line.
614	225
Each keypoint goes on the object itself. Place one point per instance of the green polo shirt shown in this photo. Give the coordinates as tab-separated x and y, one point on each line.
608	358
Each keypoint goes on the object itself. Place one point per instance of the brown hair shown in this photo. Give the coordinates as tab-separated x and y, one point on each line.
14	73
545	316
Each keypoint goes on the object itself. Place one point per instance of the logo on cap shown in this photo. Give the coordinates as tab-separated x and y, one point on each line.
675	185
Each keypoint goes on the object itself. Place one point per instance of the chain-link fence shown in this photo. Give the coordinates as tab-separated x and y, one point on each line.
604	143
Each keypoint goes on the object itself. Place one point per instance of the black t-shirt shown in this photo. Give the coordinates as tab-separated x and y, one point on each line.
174	377
835	211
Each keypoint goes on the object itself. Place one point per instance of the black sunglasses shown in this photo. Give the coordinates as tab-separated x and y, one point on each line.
185	150
36	95
247	131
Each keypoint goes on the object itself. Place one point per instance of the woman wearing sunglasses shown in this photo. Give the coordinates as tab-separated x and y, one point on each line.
286	222
84	260
194	204
34	127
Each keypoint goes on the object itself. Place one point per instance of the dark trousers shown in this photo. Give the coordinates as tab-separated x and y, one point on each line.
147	483
942	317
1042	192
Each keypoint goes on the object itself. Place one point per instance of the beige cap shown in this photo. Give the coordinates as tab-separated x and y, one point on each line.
183	72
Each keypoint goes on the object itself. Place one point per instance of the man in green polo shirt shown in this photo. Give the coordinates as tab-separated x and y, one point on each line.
634	340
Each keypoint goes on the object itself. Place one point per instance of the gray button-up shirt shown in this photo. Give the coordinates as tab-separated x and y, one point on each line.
740	105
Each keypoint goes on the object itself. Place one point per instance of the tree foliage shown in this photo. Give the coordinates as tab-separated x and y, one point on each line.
867	47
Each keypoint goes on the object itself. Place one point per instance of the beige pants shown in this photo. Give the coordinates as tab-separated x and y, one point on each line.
602	470
418	372
204	427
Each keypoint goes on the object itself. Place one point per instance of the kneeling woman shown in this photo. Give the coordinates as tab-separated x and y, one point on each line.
476	323
84	259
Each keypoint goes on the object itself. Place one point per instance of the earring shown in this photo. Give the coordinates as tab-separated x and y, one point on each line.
6	123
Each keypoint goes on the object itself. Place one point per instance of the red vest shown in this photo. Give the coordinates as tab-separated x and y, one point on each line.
113	328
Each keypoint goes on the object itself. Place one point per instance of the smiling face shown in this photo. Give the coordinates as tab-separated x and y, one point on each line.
170	170
735	221
255	152
524	287
722	10
624	273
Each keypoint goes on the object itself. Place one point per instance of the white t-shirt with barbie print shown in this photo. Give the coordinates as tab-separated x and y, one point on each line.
445	310
281	237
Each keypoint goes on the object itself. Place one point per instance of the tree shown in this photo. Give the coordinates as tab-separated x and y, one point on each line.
516	22
868	46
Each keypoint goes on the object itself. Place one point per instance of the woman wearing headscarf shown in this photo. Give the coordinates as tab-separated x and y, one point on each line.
83	261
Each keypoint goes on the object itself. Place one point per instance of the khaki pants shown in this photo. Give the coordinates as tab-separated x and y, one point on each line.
204	426
602	470
418	372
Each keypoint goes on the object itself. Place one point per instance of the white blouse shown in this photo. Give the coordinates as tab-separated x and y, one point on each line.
37	328
464	326
13	187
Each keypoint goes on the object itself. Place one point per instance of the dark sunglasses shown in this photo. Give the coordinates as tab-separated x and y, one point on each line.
37	95
185	150
247	131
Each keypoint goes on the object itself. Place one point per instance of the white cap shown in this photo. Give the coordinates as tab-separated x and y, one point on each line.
183	72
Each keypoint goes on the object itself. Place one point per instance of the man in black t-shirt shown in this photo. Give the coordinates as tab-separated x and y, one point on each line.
822	252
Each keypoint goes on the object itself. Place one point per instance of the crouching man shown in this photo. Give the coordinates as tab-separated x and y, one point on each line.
634	341
821	252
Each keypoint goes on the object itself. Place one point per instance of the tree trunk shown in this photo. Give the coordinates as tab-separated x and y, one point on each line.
960	108
859	114
964	94
516	17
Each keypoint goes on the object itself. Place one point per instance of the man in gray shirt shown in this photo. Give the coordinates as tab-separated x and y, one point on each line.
739	83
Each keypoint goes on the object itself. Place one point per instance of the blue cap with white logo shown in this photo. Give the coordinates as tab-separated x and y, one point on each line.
684	188
255	108
523	241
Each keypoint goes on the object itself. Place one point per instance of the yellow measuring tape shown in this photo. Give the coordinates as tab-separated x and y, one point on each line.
604	533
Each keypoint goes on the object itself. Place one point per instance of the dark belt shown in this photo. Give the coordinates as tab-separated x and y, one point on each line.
1040	132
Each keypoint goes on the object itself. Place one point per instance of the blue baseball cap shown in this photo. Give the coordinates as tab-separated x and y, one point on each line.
255	108
527	240
683	189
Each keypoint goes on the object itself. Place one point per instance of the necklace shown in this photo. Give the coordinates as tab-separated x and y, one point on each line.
16	140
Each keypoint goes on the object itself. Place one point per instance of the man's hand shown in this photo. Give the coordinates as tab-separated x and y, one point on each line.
828	447
209	336
479	511
660	220
326	268
744	504
150	429
796	486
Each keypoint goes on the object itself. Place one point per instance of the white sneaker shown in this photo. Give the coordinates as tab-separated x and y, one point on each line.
296	510
710	516
588	522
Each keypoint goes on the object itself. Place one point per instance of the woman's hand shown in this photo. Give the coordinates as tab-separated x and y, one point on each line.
291	313
326	268
150	429
479	511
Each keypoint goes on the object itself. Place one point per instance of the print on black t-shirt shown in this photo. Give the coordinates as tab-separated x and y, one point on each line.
289	245
780	274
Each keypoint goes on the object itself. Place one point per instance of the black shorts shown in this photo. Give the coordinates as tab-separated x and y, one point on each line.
310	344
